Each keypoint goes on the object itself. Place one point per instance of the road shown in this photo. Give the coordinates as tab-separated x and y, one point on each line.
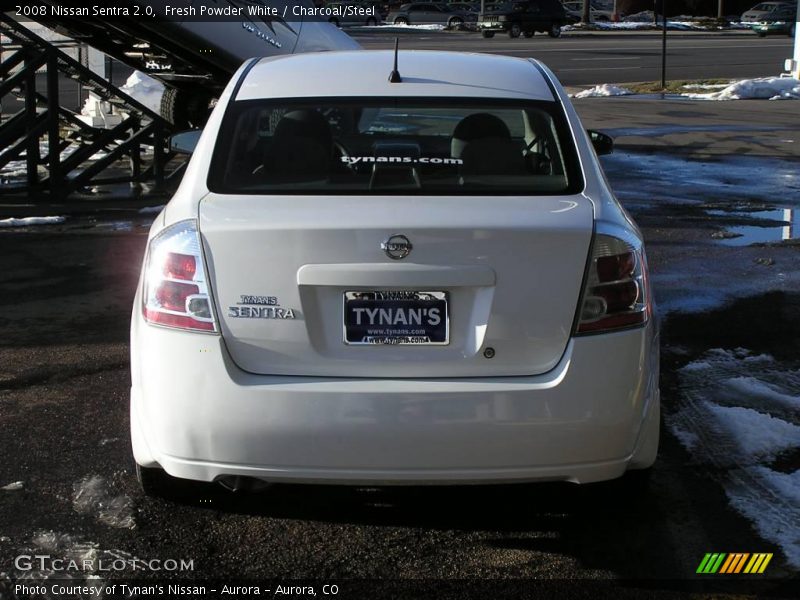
66	294
583	59
578	59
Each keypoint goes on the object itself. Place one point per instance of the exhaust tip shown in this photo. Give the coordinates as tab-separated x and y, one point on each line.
240	483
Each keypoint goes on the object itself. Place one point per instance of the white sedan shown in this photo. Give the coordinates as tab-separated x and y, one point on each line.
421	278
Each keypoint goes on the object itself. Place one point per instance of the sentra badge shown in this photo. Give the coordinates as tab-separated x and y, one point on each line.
259	307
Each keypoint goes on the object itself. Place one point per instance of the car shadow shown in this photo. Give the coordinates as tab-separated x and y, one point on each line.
616	527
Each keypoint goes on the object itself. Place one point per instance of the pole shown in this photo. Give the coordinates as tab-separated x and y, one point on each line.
796	65
664	45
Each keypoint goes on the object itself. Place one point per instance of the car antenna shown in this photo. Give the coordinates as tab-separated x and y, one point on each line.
394	76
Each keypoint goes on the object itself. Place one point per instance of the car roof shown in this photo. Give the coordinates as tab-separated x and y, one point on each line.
425	73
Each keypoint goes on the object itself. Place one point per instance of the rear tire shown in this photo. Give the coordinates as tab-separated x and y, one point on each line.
514	31
487	34
401	21
185	109
555	30
455	23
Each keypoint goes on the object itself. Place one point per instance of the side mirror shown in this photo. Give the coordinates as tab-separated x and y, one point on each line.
185	142
603	144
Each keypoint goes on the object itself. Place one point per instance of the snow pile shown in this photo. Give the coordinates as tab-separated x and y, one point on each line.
28	221
12	487
91	496
603	90
773	88
145	89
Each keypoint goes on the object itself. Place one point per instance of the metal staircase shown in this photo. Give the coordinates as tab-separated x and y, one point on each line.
54	143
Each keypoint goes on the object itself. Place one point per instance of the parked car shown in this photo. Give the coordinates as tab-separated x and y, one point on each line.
770	11
781	20
575	10
525	17
420	13
372	278
354	13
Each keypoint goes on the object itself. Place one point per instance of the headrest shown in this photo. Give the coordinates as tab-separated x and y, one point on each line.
304	123
476	126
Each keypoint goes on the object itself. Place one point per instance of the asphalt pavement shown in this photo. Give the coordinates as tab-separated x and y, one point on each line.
66	294
582	58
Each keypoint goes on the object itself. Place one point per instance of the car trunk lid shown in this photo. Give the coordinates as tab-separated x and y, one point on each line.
509	268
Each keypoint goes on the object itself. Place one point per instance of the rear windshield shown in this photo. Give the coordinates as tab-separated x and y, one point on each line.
394	146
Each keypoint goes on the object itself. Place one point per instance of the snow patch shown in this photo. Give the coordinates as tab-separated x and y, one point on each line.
604	90
91	496
772	88
705	86
756	434
737	415
28	221
752	387
773	523
151	209
687	439
421	27
12	487
68	548
145	89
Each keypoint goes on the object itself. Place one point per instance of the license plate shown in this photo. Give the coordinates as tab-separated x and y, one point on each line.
396	317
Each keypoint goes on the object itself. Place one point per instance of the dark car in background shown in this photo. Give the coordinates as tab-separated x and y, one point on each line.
524	18
419	13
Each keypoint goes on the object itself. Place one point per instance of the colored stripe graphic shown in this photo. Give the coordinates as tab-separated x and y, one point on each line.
733	563
711	562
758	563
727	564
703	563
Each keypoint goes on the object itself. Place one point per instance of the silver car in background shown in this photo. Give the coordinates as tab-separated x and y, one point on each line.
430	13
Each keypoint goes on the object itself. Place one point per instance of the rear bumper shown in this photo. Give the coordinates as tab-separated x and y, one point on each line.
494	26
197	415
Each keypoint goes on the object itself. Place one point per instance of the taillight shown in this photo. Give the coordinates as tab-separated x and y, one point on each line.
175	289
616	294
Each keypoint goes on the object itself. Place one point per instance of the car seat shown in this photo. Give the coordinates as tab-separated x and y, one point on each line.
301	148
